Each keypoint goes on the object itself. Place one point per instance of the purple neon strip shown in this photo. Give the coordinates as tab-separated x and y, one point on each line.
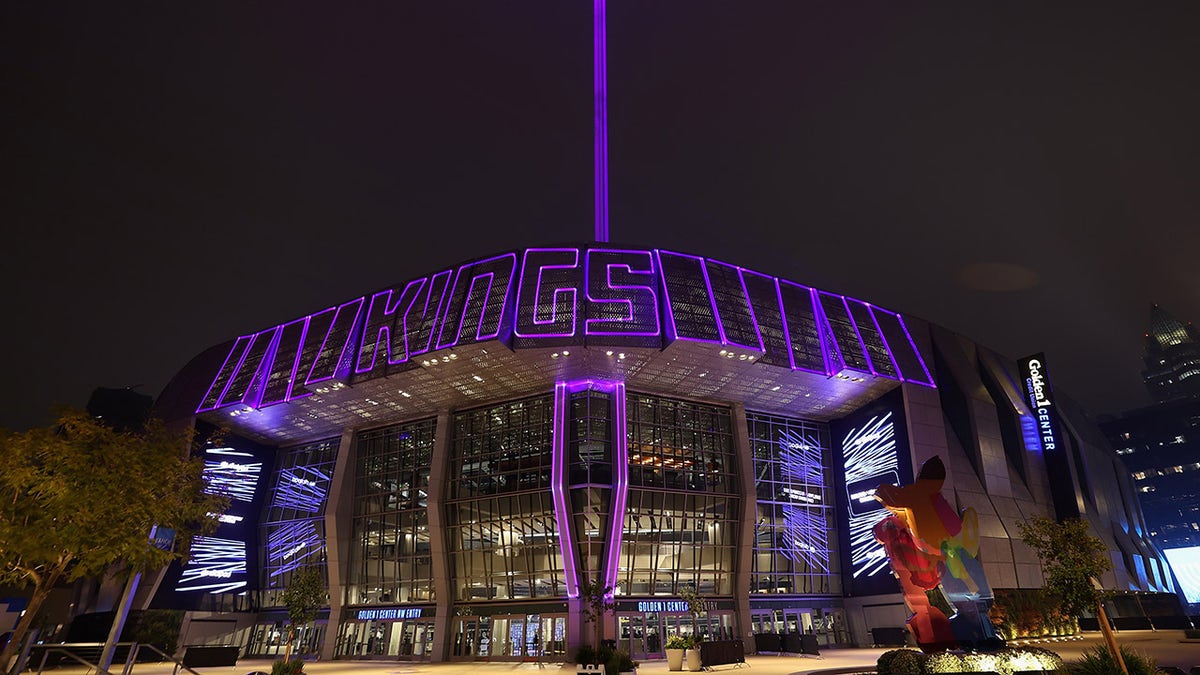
674	334
762	346
921	359
826	338
242	341
630	314
291	389
600	98
456	331
787	332
886	346
334	326
258	386
537	295
442	299
620	490
252	363
558	460
857	333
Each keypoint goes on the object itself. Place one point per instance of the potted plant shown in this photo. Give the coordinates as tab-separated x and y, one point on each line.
676	645
693	654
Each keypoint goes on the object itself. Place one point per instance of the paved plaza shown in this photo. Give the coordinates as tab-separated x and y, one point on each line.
1167	647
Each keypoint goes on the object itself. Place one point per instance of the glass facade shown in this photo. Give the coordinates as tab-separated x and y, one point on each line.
795	541
501	527
390	551
294	527
682	506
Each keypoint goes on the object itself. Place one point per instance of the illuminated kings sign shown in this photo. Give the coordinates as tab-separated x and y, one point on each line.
545	297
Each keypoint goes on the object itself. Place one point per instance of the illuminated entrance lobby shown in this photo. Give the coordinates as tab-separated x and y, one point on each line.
462	451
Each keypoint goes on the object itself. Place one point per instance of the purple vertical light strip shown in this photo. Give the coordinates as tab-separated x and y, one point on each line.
558	488
857	333
911	341
600	98
620	489
886	346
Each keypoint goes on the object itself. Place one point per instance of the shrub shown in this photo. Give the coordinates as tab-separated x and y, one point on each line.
909	662
293	667
619	662
585	655
946	662
1099	661
679	642
1004	661
900	662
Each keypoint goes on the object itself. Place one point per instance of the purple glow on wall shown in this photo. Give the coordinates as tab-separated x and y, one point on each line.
558	490
600	99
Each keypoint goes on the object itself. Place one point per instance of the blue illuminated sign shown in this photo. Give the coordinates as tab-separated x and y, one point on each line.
389	614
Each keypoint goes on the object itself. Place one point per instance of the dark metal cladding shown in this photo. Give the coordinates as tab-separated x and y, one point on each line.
548	297
805	337
213	398
283	364
764	299
841	330
333	361
881	362
476	308
733	307
911	366
241	387
689	300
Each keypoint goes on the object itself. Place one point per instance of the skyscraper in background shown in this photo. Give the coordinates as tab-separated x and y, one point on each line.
1172	357
1160	445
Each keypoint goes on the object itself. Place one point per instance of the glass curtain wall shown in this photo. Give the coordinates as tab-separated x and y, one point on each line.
682	506
795	544
500	511
294	528
390	555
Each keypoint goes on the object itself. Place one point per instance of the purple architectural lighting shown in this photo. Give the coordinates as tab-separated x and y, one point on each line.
639	301
625	297
620	488
600	99
225	473
215	565
552	267
558	489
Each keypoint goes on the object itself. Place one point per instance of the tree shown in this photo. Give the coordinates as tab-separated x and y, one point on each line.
696	605
597	601
1072	562
304	595
78	497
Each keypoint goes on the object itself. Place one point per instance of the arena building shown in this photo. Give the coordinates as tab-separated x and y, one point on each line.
462	452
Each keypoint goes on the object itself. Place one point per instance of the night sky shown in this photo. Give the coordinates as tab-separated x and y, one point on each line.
177	174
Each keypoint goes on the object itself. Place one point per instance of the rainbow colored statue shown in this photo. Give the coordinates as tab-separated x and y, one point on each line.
933	553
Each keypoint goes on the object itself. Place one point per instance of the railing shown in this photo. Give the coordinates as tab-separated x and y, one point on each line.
135	648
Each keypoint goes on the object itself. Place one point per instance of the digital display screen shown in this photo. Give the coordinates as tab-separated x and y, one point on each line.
1185	562
873	446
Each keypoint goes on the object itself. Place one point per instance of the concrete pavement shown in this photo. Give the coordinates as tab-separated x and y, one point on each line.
1167	647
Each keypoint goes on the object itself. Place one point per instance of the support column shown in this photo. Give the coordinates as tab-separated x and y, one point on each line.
746	521
339	525
438	550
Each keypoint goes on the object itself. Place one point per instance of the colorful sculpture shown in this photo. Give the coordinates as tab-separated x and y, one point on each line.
933	552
